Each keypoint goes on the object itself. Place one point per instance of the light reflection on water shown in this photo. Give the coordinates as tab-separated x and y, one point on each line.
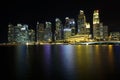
67	58
47	60
21	62
66	62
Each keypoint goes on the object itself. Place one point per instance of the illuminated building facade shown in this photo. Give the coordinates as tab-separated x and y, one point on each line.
100	32
88	32
96	25
72	27
69	29
115	36
10	33
31	34
101	29
59	29
67	33
87	29
48	32
67	22
18	34
40	32
81	23
83	27
105	31
24	34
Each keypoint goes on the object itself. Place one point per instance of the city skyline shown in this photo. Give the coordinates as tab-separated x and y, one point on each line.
70	31
29	12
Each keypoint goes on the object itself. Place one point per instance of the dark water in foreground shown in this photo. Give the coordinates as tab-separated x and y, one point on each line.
60	62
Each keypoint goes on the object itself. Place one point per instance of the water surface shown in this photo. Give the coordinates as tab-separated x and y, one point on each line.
61	62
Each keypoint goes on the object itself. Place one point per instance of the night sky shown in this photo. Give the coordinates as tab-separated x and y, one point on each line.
29	12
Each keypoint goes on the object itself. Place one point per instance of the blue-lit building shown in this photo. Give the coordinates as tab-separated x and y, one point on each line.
69	27
72	27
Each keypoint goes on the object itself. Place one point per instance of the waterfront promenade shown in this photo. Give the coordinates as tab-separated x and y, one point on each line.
75	43
99	42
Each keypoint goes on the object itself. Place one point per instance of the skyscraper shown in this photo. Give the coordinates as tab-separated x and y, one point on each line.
100	32
96	25
67	20
81	23
69	29
72	26
31	35
59	29
48	32
10	33
87	28
40	32
18	33
105	31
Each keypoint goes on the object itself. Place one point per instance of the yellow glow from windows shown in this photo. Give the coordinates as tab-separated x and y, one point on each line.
27	43
87	25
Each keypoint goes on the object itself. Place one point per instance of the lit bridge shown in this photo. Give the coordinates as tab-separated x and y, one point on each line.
99	42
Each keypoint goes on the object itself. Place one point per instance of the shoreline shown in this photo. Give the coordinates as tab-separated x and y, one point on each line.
77	43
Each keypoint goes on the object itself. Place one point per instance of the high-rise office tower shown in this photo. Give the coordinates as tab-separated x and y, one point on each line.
18	33
69	29
96	19
100	32
67	33
40	32
48	32
105	31
72	26
87	28
21	33
67	19
10	33
96	25
81	23
115	36
36	32
31	34
59	29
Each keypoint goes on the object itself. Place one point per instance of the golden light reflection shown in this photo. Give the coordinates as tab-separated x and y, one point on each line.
88	55
97	60
83	60
97	55
79	58
97	51
110	56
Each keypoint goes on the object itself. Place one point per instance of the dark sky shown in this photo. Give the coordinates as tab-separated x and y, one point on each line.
29	12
